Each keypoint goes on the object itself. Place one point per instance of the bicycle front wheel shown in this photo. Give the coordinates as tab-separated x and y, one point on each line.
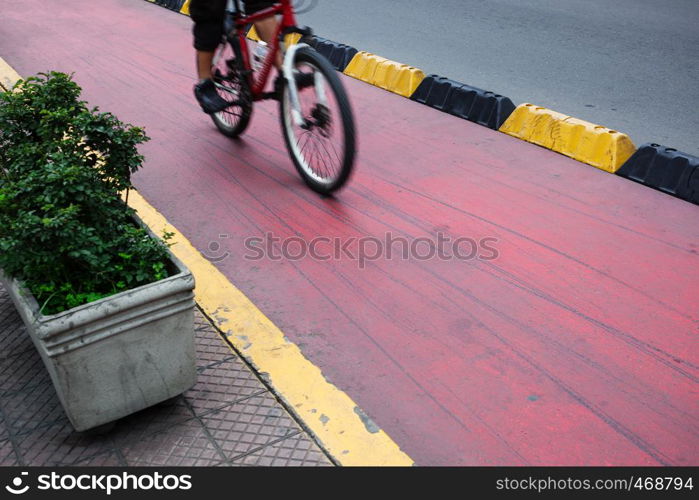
323	146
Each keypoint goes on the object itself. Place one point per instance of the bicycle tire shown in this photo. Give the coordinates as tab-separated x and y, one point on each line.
325	186
228	76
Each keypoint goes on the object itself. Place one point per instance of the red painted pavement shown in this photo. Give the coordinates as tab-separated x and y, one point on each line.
577	345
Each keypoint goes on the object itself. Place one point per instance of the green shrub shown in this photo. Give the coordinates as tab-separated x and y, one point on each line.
64	230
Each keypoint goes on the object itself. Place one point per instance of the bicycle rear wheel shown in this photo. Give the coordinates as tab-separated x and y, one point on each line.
323	148
234	88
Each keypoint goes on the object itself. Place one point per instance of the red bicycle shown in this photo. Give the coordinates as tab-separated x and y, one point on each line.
315	113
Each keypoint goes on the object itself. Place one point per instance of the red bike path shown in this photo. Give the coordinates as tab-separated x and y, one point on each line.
576	345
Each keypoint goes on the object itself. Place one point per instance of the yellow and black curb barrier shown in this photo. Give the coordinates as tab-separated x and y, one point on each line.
586	142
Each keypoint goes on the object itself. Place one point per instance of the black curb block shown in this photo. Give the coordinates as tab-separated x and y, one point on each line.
175	5
665	169
471	103
338	54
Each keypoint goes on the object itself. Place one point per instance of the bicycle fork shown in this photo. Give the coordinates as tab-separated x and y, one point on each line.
288	70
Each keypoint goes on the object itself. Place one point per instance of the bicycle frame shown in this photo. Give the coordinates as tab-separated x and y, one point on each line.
287	24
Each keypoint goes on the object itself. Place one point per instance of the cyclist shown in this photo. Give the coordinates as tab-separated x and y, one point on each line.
208	16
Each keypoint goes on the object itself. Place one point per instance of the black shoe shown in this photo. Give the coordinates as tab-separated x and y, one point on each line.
208	97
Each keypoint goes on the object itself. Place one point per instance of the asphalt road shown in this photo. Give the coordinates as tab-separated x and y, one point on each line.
632	65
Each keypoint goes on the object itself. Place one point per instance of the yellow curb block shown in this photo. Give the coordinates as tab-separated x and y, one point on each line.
338	423
185	8
389	75
292	39
8	76
593	144
252	34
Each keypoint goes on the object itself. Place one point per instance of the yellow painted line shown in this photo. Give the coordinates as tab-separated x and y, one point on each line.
593	144
8	76
381	72
338	423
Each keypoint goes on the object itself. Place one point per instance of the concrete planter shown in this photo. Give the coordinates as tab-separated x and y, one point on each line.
118	355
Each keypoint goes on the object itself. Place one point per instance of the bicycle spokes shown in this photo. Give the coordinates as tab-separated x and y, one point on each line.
226	73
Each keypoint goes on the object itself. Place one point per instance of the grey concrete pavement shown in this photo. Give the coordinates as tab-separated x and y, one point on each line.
632	65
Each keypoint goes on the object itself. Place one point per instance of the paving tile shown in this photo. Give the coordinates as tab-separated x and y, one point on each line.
32	408
139	426
210	347
24	370
59	444
200	320
223	384
294	451
7	453
13	336
3	429
108	459
245	426
185	444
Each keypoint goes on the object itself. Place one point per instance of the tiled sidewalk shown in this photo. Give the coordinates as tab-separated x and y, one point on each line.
228	418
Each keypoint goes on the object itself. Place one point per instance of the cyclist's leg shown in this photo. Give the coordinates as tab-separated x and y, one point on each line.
204	61
265	28
208	18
